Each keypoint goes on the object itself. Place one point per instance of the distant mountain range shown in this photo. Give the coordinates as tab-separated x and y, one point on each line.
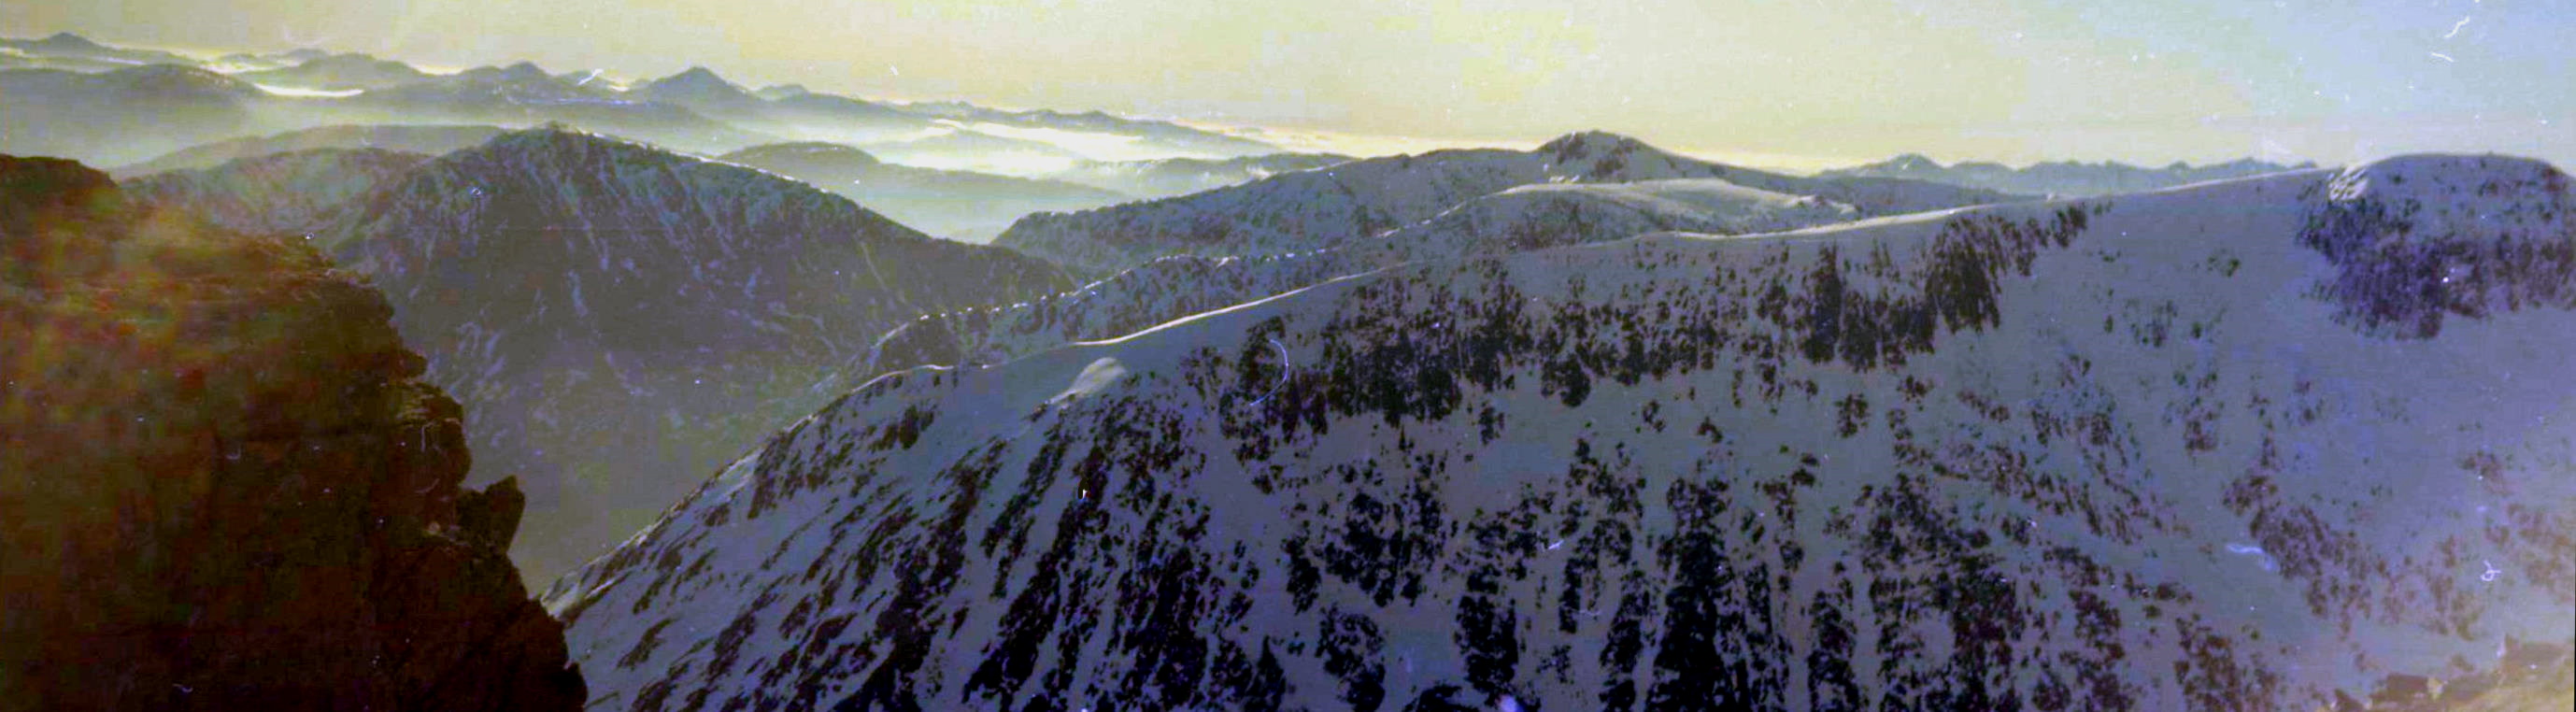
1165	177
1312	209
91	94
339	72
125	114
68	51
2068	178
959	205
425	140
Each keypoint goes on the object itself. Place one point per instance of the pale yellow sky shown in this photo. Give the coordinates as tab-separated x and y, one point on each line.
1797	84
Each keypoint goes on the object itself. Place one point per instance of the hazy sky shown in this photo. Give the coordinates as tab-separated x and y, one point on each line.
1784	83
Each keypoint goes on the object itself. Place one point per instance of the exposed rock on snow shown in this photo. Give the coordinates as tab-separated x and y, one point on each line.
1982	459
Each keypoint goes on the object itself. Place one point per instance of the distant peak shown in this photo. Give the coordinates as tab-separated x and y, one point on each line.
803	150
697	73
1586	139
1583	144
696	83
69	40
695	77
523	71
1911	161
551	138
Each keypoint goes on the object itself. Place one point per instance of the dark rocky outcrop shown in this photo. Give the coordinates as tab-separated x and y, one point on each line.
223	483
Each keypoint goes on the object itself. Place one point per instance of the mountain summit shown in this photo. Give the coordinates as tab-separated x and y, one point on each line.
699	88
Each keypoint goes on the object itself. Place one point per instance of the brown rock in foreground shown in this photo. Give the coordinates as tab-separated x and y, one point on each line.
223	485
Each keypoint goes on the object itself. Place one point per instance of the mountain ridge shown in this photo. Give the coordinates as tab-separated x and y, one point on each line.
1343	202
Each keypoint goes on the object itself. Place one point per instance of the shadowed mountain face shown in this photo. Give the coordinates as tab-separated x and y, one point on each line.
423	140
2066	178
1305	210
619	321
223	485
2164	451
292	194
959	205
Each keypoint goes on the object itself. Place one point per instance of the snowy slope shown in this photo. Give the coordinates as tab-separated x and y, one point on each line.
2145	452
1304	210
1524	218
2066	178
290	193
618	320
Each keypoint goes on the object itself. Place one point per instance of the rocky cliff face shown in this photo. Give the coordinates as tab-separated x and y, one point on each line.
2266	444
223	484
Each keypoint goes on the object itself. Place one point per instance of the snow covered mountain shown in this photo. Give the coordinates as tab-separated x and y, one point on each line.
1305	210
2179	450
292	193
958	205
1164	177
1529	217
619	320
2066	178
425	140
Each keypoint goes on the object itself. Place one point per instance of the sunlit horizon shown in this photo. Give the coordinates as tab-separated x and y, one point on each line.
1794	87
